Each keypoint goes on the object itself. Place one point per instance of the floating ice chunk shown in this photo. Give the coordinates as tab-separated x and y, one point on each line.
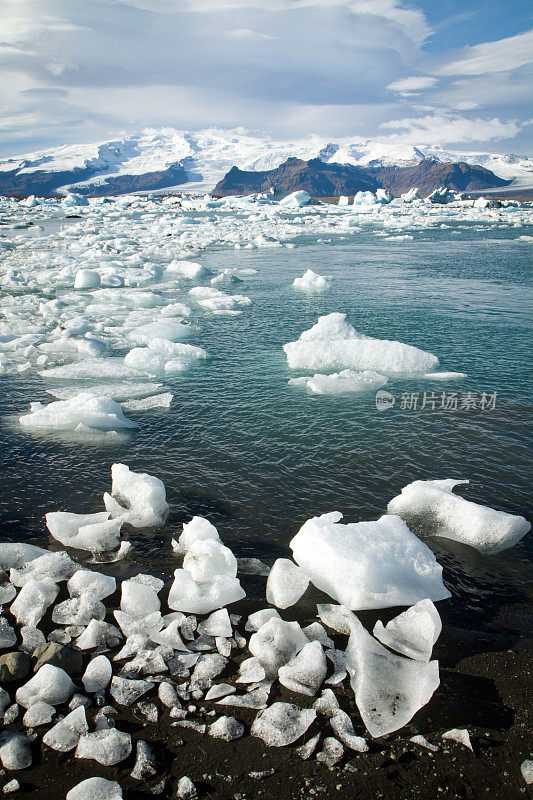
156	401
98	674
312	282
217	624
413	633
87	279
389	689
282	723
108	747
368	564
334	344
39	713
163	329
93	369
72	200
138	498
126	691
207	559
85	409
201	598
423	742
94	532
276	643
343	728
383	196
412	194
344	382
453	517
162	356
296	199
95	584
364	199
197	529
95	789
33	600
444	376
286	583
190	269
459	735
306	671
15	750
65	735
51	685
121	392
226	728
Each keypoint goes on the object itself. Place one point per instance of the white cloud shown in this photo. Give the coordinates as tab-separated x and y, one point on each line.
449	129
246	33
415	83
504	54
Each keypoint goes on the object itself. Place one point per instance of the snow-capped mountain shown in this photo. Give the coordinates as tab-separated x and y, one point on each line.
166	157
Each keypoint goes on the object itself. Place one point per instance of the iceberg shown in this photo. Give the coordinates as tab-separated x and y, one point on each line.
311	282
453	517
85	410
296	199
367	565
334	344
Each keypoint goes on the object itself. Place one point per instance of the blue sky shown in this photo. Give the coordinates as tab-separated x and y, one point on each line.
449	72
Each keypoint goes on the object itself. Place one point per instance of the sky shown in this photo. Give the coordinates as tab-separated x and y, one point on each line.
456	73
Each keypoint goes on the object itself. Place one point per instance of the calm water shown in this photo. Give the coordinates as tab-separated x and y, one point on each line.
258	457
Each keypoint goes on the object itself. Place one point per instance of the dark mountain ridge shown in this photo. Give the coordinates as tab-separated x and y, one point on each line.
332	180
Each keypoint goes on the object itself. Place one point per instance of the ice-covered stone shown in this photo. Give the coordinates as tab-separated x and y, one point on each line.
98	674
343	728
389	689
95	789
84	411
306	671
126	691
51	685
459	735
453	517
276	643
368	564
94	532
108	747
65	735
333	344
33	600
286	583
413	632
15	750
226	728
282	723
138	498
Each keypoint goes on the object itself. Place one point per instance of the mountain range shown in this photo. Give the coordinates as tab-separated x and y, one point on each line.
167	159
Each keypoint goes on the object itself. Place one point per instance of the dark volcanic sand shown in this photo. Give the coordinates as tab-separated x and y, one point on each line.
489	693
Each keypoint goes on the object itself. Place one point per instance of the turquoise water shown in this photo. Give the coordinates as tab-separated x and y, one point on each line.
258	457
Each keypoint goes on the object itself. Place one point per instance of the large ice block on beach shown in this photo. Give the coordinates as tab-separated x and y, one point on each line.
334	344
453	517
413	632
137	498
368	564
94	532
389	689
345	382
286	583
311	282
85	409
50	685
194	597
